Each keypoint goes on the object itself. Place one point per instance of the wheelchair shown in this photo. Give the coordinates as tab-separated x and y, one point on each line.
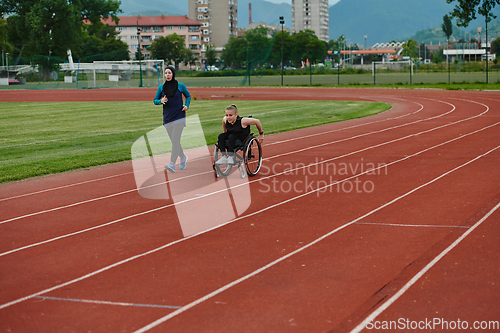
247	158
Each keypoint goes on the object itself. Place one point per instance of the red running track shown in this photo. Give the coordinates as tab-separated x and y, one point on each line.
391	219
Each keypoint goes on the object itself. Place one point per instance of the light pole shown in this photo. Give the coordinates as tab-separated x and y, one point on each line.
487	54
139	53
282	21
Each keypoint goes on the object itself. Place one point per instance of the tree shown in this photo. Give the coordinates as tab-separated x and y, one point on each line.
437	57
448	30
211	55
495	47
337	45
4	42
99	42
447	27
49	28
465	10
258	46
410	49
275	57
308	46
234	53
141	55
190	57
171	48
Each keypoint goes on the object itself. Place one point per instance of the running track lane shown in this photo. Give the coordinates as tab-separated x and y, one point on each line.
294	288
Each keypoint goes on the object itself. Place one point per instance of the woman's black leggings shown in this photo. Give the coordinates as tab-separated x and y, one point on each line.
231	142
174	133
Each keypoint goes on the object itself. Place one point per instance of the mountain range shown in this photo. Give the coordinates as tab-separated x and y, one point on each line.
381	21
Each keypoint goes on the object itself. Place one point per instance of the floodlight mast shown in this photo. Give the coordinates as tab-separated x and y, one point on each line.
282	21
139	53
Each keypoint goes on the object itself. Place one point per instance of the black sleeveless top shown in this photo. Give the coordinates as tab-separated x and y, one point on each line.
237	130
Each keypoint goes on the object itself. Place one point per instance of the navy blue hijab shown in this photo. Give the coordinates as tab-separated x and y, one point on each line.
170	87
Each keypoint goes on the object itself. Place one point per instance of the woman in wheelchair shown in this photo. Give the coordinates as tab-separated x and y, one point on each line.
235	130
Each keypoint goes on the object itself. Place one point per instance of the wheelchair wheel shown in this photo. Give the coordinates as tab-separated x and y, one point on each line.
220	169
252	155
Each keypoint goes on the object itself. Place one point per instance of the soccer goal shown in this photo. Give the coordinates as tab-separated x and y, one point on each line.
393	71
131	73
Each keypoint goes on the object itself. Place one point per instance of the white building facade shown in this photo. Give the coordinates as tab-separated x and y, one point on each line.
218	18
311	15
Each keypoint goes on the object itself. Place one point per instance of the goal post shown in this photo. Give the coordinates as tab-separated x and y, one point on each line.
126	73
393	69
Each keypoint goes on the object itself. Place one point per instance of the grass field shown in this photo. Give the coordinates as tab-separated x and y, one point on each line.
43	138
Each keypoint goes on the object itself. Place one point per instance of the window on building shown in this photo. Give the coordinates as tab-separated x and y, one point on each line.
181	27
133	37
194	37
170	27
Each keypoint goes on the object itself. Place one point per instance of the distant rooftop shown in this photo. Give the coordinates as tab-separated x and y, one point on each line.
128	21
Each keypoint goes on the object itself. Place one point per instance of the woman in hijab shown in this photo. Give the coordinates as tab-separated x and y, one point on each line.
169	95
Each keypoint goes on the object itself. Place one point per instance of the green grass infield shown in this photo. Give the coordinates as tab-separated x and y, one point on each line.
44	138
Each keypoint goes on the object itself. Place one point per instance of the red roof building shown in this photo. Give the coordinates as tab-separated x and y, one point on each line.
153	27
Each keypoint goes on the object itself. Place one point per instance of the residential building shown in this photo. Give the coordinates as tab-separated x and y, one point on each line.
311	15
153	27
218	18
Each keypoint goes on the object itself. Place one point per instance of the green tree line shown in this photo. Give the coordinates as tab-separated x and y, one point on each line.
40	32
256	49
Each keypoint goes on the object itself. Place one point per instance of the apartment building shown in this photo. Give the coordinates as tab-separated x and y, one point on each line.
153	27
311	15
218	18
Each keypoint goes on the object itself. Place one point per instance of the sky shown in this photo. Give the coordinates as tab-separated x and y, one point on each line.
330	2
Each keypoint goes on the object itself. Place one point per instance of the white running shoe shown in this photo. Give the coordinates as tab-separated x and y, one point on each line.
222	160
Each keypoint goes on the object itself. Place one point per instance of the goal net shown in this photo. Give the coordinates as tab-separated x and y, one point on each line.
392	72
404	66
108	74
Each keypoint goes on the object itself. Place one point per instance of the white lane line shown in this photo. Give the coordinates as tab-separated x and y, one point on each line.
107	303
133	190
66	186
415	225
260	179
246	216
317	240
278	142
358	125
417	276
97	199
